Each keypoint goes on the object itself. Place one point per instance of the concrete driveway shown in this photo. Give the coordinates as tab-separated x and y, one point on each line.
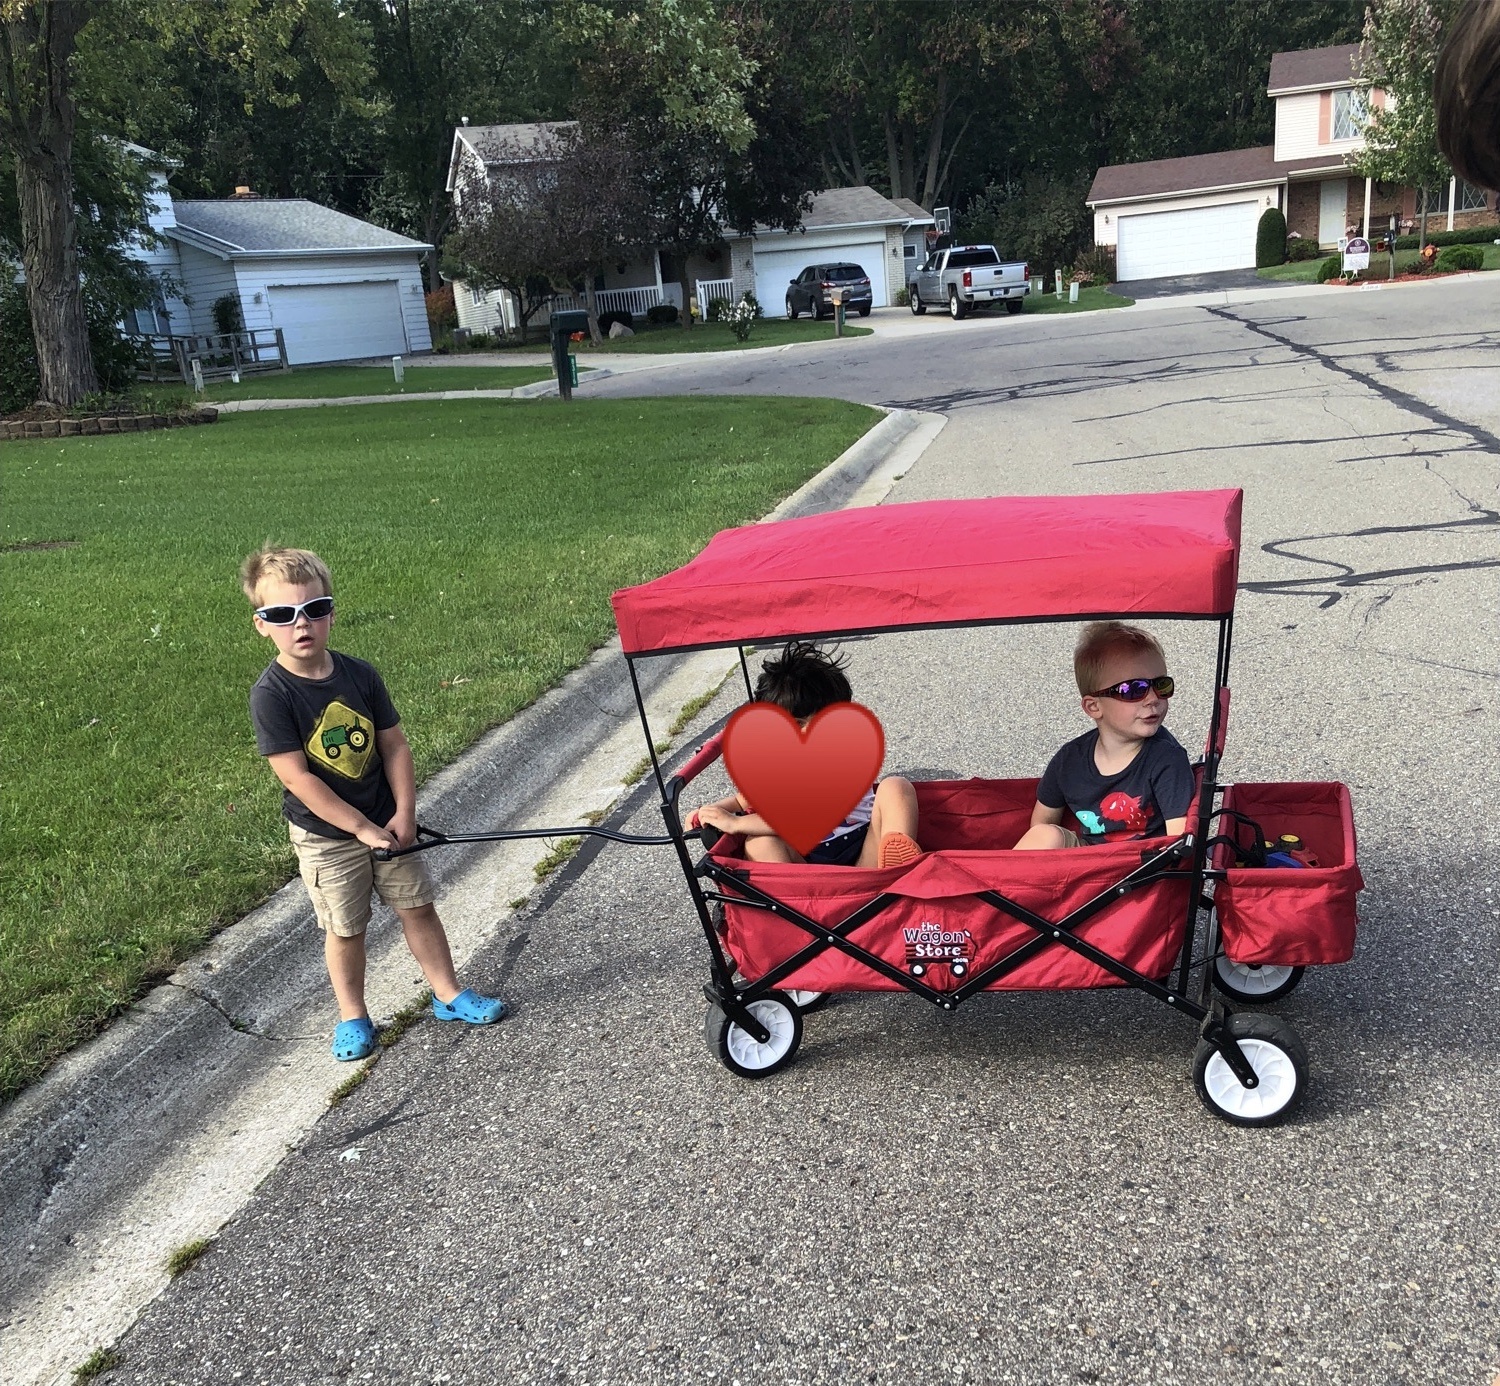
1028	1190
1175	284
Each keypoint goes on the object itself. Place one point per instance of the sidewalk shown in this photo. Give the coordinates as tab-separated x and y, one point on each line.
154	1134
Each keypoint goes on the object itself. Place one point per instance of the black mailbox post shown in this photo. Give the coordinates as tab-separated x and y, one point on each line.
562	327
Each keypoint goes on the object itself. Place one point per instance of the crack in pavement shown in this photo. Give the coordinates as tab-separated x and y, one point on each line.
240	1027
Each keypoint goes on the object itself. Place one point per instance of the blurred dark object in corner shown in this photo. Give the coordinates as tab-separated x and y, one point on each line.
1466	92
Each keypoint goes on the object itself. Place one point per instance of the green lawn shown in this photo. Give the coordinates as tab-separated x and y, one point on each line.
474	545
1306	271
331	382
707	336
1090	300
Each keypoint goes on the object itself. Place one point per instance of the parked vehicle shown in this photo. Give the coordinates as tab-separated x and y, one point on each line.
811	291
968	276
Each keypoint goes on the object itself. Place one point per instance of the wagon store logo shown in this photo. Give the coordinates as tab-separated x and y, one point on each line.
929	945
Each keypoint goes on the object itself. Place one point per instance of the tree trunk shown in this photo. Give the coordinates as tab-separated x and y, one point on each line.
591	304
39	116
893	154
682	283
935	140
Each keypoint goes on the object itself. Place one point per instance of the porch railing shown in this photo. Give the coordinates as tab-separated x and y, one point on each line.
710	289
632	301
170	355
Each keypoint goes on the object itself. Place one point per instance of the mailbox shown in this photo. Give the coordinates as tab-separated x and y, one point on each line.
561	327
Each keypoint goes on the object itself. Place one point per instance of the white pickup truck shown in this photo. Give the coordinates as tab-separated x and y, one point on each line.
968	276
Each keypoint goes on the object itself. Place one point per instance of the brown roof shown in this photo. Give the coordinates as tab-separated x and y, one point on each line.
1234	168
914	210
1313	67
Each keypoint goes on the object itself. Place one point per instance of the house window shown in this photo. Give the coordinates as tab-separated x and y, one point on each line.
1350	111
476	296
1470	198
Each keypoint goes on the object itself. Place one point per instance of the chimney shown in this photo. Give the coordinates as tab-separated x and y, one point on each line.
242	191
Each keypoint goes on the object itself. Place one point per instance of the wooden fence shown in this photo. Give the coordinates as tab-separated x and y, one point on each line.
220	355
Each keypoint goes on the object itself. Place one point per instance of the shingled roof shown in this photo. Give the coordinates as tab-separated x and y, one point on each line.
1233	168
1313	69
238	226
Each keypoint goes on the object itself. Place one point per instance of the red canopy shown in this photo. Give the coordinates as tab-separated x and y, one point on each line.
945	563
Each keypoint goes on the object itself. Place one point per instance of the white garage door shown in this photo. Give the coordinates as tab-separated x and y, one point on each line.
337	322
775	269
1198	240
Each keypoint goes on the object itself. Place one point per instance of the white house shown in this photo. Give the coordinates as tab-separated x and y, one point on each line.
853	224
1199	214
338	288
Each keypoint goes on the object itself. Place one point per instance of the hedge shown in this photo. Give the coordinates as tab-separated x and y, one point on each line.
1473	235
1461	257
1331	268
1270	239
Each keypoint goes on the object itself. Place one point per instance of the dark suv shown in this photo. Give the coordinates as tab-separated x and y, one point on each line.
809	291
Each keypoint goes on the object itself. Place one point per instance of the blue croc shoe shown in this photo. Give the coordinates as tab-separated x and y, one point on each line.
471	1007
354	1039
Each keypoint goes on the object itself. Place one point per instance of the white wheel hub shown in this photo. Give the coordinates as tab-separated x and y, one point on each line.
1249	980
803	999
747	1051
1272	1065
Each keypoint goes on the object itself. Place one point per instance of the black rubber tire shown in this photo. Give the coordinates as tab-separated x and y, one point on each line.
359	738
792	311
728	1043
957	309
918	308
1276	1054
1015	305
817	311
864	312
1227	983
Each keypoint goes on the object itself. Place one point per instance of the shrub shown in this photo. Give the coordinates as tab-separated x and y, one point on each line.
718	309
1270	239
1097	262
1331	268
903	298
227	315
1473	235
662	314
741	318
442	312
1300	248
480	341
1042	220
1461	257
755	308
608	320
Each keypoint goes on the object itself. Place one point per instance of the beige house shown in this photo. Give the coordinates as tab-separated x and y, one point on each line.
856	225
1199	214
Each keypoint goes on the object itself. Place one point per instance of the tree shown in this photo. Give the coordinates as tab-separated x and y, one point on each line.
436	62
665	79
43	45
1402	40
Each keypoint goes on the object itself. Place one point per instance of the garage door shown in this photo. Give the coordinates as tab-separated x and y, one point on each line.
337	322
775	269
1198	240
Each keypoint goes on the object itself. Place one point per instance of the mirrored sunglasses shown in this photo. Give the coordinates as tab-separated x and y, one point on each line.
318	609
1133	690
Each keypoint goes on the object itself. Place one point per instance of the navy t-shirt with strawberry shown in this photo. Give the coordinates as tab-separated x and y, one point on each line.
1136	802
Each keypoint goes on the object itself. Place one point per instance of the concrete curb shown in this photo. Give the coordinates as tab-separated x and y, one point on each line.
535	390
155	1133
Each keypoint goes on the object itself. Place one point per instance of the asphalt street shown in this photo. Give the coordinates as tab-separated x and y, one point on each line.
1027	1190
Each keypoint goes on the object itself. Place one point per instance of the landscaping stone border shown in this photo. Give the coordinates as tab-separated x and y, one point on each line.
14	430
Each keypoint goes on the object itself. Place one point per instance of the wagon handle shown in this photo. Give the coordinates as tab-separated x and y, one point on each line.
695	765
430	837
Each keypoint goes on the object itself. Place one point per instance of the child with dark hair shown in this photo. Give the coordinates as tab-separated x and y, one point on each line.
880	830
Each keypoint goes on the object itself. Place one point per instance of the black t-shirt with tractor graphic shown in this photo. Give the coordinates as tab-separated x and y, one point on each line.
333	721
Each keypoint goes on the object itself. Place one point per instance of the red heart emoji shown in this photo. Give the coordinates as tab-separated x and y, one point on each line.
803	783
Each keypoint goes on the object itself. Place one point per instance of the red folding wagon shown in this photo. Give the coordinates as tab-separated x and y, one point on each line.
972	915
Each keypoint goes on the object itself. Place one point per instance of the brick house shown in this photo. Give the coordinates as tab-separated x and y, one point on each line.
1198	214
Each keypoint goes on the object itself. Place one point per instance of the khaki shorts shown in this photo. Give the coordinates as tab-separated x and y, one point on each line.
1070	838
341	872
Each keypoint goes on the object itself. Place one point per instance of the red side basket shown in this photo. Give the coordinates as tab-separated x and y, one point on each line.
1282	915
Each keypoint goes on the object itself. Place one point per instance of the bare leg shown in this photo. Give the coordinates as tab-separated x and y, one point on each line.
429	946
770	849
1042	837
346	970
894	811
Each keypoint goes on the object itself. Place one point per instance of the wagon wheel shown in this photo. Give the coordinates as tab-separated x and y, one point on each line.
1279	1061
1252	983
740	1052
809	1001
